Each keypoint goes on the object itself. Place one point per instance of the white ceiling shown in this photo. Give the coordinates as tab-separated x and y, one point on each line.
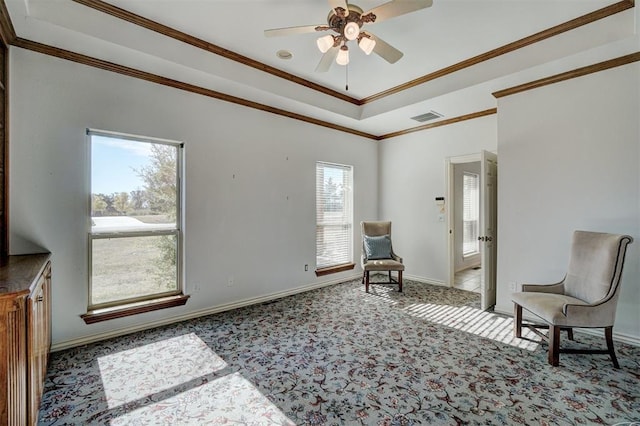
432	39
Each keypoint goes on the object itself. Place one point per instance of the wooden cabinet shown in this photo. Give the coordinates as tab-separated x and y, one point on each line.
38	339
13	361
25	336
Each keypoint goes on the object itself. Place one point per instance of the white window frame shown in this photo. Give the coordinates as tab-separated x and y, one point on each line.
177	231
347	217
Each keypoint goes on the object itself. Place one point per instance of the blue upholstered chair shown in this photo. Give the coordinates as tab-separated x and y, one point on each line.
377	253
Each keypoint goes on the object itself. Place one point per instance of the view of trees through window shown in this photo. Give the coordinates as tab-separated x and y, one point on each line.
135	216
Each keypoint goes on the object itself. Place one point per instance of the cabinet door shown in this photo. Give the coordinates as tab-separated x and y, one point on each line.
13	372
38	341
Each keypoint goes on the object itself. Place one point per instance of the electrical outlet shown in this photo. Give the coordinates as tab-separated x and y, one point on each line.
196	288
230	282
513	286
306	267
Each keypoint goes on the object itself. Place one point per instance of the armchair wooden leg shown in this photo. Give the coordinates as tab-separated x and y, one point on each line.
366	281
608	334
399	281
363	275
570	333
554	345
517	320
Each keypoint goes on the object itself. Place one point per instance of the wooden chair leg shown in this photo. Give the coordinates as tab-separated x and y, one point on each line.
390	280
554	345
608	335
366	281
570	333
517	320
399	281
363	274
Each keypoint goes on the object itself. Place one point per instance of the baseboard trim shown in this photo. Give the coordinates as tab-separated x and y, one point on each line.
619	337
67	344
424	280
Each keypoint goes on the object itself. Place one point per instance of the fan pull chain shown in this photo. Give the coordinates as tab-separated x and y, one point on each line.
346	85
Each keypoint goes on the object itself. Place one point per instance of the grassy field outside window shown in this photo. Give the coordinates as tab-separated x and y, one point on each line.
135	237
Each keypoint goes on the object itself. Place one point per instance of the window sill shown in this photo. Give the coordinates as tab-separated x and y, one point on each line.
334	269
106	314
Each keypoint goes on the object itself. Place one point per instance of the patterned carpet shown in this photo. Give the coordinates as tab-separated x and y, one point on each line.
339	356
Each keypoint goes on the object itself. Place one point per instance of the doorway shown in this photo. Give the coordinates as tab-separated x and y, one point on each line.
471	224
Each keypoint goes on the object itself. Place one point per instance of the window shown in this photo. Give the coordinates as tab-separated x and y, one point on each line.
471	213
334	217
135	239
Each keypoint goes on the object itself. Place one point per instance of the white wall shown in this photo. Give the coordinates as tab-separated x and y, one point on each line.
412	175
243	227
569	159
460	261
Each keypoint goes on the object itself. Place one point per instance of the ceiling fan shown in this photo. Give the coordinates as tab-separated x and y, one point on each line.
346	20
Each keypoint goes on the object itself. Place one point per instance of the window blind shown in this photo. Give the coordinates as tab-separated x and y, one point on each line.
471	213
334	215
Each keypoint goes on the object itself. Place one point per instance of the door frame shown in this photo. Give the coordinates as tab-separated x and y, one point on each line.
450	162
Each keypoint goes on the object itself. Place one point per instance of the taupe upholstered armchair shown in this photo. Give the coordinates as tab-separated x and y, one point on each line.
377	253
585	298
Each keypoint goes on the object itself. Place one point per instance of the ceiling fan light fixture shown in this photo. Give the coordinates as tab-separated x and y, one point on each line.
343	56
351	30
325	43
367	44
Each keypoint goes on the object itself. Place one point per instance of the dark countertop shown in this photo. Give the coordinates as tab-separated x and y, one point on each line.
17	273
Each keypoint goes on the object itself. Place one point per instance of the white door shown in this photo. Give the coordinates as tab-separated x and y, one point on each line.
488	226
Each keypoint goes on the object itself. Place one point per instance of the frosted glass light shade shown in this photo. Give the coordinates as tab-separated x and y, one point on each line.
367	44
343	56
325	43
351	31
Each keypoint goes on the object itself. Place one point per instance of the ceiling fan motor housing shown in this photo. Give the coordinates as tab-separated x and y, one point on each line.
338	21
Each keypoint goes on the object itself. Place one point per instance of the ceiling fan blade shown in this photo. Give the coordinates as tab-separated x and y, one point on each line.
275	32
386	51
339	3
327	59
398	7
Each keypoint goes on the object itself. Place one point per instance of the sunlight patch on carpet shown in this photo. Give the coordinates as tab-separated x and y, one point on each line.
231	399
150	369
475	321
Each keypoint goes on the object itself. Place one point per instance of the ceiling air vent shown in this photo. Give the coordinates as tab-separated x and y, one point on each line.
431	115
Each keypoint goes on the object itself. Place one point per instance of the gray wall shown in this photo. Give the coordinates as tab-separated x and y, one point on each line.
412	174
569	159
258	228
568	155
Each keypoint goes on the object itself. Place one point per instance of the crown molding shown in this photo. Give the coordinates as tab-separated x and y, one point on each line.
212	48
7	32
440	123
507	48
167	31
154	78
568	75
